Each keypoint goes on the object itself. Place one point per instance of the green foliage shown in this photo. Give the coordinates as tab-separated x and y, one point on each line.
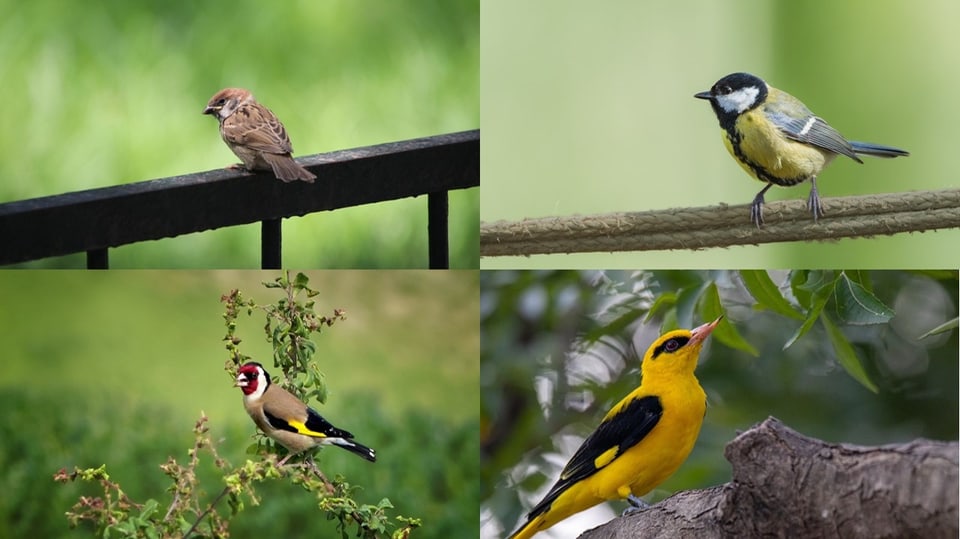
31	450
289	326
131	361
812	290
135	441
115	514
562	346
290	323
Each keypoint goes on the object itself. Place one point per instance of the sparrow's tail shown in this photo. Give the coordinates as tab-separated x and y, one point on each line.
286	169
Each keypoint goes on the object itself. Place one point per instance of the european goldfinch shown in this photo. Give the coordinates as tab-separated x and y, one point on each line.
286	419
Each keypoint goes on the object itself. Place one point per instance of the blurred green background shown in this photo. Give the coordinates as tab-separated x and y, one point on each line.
592	111
557	355
107	93
116	368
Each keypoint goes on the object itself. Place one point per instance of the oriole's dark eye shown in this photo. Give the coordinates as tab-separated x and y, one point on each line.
671	345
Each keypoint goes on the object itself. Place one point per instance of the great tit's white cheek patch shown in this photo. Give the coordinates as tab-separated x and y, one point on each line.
740	100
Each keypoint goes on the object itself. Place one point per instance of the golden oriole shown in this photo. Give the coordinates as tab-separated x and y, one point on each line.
641	441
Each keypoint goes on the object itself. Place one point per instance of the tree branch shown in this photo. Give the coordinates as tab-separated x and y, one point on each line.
723	225
788	485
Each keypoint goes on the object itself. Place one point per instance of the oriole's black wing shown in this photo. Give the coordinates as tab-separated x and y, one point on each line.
620	432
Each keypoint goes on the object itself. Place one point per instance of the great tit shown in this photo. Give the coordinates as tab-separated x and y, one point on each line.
286	419
776	138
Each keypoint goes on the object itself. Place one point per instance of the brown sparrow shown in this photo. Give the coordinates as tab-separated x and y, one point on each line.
255	134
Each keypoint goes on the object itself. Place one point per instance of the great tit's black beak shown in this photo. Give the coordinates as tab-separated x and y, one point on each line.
704	95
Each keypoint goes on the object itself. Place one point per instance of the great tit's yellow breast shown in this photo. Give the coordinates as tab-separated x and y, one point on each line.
767	155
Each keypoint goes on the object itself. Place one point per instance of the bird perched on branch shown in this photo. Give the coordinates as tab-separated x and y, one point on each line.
641	441
286	419
255	134
776	138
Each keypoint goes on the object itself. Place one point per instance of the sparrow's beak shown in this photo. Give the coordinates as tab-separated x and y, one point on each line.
211	110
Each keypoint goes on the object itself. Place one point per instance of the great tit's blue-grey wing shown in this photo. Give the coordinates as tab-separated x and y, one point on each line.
799	124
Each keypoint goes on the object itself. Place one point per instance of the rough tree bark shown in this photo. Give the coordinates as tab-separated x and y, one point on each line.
788	485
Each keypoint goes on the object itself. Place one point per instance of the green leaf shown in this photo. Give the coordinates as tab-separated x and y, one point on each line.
857	306
767	294
615	326
818	299
949	325
148	508
664	301
725	332
862	277
805	283
802	295
277	283
300	281
846	354
687	301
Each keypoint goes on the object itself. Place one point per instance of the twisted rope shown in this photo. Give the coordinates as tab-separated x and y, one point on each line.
723	225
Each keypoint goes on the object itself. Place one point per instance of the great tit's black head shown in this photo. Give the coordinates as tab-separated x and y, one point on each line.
735	94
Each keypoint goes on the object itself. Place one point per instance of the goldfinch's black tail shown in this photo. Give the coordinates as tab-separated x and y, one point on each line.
358	449
877	150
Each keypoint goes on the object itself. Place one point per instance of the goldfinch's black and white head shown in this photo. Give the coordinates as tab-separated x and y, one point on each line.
735	94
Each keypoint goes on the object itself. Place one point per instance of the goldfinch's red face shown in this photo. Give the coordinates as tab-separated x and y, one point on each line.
250	377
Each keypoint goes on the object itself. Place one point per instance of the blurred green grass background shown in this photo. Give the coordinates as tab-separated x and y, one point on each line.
592	111
116	367
112	93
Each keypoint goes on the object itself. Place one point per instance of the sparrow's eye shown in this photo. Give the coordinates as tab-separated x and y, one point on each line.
221	101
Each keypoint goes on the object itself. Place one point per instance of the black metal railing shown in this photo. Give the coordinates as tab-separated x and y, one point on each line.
95	220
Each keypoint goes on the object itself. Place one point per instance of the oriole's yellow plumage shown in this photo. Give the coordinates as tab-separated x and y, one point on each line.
641	441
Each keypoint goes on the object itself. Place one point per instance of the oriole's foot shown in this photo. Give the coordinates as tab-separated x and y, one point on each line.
637	503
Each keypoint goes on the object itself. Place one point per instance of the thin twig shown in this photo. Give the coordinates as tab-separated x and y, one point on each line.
207	511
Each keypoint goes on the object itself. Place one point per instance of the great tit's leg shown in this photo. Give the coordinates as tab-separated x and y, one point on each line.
636	503
756	208
813	201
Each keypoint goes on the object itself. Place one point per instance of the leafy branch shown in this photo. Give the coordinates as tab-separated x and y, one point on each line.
290	324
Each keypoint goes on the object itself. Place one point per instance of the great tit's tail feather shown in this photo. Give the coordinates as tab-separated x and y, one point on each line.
877	150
